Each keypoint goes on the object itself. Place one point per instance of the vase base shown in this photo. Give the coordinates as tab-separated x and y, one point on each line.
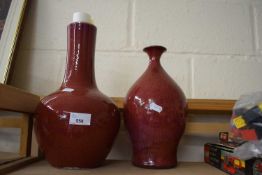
154	166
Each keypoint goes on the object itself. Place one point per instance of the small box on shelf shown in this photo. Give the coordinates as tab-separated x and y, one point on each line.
220	156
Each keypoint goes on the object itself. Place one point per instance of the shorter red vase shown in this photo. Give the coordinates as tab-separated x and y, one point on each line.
155	115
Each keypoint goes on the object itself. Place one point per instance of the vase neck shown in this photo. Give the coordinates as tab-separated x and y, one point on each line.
154	53
80	56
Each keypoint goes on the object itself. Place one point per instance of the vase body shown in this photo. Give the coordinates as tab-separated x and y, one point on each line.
155	111
76	125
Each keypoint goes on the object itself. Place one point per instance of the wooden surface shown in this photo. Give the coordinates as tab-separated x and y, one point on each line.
206	105
11	121
26	135
120	168
34	145
14	99
8	156
24	123
17	164
198	105
206	128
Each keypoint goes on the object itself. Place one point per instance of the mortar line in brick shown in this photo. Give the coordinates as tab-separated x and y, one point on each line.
133	12
179	53
254	27
253	22
192	77
140	51
130	24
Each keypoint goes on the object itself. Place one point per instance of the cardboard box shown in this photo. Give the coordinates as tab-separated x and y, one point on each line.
219	156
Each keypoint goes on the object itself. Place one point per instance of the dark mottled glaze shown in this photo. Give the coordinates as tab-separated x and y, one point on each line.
155	132
64	144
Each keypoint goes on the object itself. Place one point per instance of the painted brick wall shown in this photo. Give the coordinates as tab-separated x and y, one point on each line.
214	46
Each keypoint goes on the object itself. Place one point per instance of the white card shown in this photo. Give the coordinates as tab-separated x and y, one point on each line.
80	118
155	107
68	90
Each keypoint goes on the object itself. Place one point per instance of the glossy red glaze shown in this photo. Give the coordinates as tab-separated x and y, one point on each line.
70	145
155	115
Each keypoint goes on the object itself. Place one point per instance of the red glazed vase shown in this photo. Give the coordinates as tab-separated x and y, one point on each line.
76	125
155	111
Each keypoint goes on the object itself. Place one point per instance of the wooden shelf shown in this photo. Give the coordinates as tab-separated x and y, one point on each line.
206	105
8	156
14	99
198	105
113	167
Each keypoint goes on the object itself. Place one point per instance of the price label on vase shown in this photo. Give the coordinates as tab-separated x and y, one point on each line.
80	118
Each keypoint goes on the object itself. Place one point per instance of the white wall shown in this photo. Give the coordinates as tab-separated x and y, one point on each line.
214	46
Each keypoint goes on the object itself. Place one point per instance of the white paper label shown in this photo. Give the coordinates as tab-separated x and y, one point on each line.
68	90
155	107
79	118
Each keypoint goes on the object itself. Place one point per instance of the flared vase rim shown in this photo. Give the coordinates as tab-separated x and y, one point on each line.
146	49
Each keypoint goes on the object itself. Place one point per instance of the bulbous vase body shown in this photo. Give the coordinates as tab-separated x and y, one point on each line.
76	125
155	111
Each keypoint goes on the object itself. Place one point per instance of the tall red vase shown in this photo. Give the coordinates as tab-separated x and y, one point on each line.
76	125
155	115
